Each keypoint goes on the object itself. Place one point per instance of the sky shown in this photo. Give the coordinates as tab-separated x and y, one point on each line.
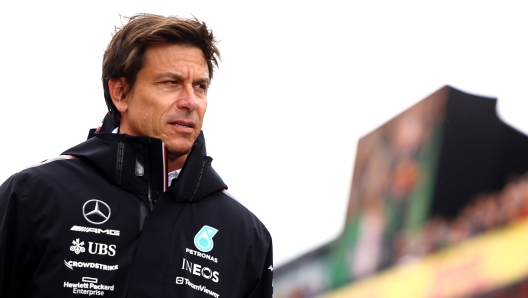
298	84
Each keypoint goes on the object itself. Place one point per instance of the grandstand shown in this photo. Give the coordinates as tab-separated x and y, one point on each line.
438	207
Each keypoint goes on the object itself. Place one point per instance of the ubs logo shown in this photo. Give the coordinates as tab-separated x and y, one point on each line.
93	248
101	249
96	211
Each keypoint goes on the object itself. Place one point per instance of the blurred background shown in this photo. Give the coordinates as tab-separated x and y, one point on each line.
437	208
300	83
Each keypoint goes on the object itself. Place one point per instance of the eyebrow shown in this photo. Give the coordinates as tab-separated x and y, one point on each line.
172	75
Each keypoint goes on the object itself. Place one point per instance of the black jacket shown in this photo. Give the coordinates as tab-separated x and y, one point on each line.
100	220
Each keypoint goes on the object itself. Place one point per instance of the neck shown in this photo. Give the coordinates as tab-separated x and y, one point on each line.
176	163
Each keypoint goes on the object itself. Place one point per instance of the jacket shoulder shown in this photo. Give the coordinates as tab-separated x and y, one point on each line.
37	172
239	215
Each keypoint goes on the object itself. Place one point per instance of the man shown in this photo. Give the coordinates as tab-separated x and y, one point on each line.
106	219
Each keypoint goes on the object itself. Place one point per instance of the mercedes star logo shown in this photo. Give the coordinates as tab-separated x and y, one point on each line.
96	211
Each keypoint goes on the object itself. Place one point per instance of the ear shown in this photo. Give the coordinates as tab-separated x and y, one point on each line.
117	89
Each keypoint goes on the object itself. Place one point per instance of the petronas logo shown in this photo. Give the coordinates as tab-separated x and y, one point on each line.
204	238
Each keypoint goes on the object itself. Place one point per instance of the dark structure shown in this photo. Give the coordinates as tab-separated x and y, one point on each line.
479	152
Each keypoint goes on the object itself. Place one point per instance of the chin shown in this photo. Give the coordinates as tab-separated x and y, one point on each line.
178	150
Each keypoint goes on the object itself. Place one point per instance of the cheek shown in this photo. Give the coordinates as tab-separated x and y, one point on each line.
202	109
145	120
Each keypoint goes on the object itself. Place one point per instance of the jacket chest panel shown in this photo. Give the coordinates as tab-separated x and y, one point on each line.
88	239
203	261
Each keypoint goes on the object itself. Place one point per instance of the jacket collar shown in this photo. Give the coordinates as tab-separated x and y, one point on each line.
139	165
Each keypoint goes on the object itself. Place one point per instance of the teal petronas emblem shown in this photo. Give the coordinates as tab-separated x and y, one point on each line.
204	238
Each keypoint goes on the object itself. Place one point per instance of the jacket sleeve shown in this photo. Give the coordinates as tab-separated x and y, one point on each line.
15	259
264	286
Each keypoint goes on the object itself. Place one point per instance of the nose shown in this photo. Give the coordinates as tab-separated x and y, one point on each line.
187	99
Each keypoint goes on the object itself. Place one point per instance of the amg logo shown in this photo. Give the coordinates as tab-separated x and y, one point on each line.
95	230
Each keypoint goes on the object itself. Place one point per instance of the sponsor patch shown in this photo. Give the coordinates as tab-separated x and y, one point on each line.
88	286
201	255
95	230
94	248
204	238
96	211
185	281
78	246
200	270
76	264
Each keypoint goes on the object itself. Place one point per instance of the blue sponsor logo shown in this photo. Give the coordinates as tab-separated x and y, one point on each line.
204	238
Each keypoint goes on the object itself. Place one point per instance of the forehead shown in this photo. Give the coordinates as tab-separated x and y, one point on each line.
175	57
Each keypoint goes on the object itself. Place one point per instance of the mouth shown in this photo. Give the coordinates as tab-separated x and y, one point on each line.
186	124
182	124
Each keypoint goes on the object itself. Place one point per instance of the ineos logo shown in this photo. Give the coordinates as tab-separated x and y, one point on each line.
96	211
200	270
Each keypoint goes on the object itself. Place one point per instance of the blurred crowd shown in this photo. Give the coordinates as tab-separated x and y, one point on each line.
485	212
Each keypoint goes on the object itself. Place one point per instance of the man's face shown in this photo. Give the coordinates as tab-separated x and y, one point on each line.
169	99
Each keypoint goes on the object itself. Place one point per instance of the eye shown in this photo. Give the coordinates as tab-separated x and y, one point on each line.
201	87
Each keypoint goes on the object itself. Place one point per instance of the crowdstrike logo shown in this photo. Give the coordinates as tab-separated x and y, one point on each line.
204	238
96	211
75	264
